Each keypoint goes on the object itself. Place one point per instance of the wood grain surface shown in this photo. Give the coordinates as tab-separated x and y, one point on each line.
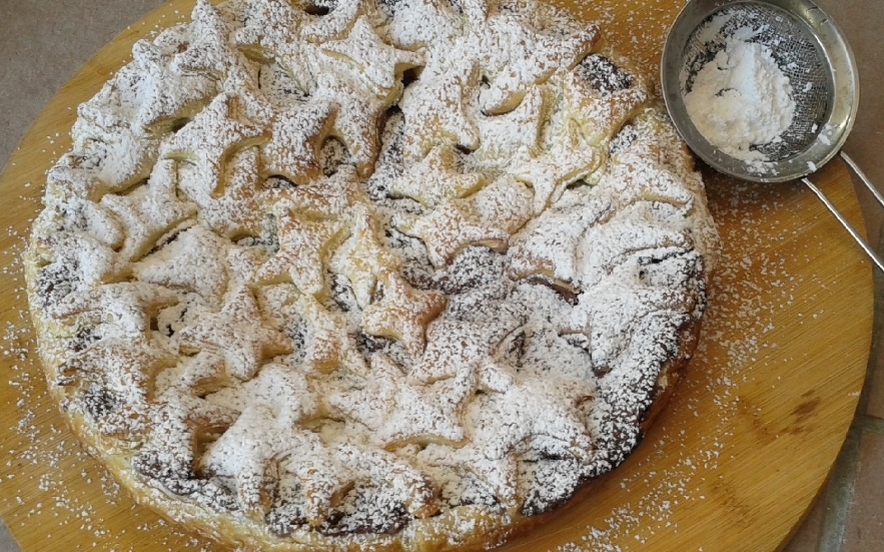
732	464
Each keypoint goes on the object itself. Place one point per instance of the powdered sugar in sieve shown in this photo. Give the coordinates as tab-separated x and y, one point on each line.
759	69
799	77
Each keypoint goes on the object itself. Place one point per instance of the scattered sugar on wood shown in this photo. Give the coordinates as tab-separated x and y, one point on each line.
734	349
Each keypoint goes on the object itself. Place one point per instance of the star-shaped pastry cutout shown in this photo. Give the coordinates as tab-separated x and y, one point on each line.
275	420
211	137
517	130
76	213
625	307
530	406
73	260
268	27
304	246
297	136
408	484
436	178
361	74
244	261
398	411
631	159
451	227
287	391
498	475
488	217
238	333
166	96
195	261
356	122
548	246
272	30
242	453
568	158
204	373
234	210
336	23
121	364
149	211
403	313
128	306
457	345
527	58
262	443
327	344
375	61
600	107
64	182
115	379
446	23
328	197
435	108
128	156
298	60
362	257
494	376
102	111
428	413
211	48
187	421
320	481
505	425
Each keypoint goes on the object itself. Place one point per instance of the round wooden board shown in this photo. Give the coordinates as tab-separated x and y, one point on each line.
732	464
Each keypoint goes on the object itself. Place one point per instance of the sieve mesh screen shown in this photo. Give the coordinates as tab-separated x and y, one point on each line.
797	53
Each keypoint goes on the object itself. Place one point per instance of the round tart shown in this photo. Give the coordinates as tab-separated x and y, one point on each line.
356	275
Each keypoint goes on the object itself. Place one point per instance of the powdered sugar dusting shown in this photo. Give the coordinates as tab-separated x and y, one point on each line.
741	98
302	335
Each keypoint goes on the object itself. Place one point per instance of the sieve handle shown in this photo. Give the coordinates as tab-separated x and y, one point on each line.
844	222
862	176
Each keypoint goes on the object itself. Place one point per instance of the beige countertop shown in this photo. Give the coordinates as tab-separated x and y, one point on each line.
45	42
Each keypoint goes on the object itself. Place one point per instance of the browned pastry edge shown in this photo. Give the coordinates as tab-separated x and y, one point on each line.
671	372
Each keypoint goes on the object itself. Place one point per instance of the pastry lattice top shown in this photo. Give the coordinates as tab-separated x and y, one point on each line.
338	267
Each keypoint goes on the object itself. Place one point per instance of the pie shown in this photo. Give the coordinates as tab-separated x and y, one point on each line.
368	275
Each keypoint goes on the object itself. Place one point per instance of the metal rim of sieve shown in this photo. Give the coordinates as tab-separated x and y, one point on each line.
830	131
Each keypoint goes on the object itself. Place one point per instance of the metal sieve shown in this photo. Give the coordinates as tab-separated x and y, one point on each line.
810	50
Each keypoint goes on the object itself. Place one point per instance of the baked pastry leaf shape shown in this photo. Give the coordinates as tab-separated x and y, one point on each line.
368	276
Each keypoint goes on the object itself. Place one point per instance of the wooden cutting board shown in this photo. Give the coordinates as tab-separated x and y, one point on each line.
733	463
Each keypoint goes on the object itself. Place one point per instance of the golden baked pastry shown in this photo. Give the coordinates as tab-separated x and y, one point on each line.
357	275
